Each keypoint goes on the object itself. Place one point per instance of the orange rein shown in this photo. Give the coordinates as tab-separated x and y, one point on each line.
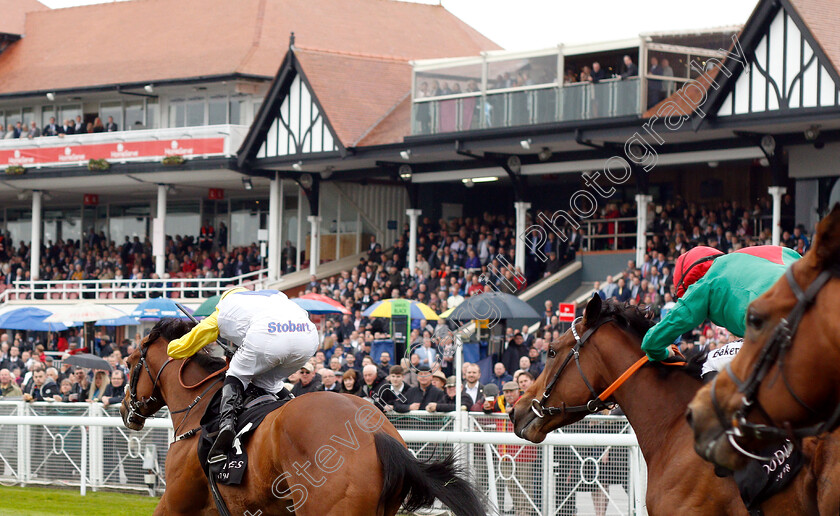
626	375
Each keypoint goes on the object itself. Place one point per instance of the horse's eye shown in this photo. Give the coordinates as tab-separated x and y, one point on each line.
551	353
755	321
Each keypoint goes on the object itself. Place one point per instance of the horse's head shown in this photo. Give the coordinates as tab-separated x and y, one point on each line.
785	375
580	365
143	394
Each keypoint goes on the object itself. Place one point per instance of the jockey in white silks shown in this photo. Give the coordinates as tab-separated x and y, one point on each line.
274	337
718	358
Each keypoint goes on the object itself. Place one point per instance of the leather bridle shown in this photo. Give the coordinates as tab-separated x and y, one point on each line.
598	401
774	352
137	405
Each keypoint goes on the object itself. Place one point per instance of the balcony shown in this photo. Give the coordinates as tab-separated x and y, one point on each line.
123	146
527	105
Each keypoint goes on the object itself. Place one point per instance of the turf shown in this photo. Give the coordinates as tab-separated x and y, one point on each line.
37	501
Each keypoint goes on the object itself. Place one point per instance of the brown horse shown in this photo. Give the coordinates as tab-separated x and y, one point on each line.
786	374
654	399
319	454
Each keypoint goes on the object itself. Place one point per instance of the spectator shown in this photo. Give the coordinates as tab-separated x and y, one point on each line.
392	395
41	388
111	126
500	375
115	392
514	352
630	68
328	381
349	382
505	402
34	131
373	379
308	381
96	390
8	388
447	403
418	397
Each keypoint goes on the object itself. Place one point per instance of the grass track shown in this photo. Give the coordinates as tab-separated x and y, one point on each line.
38	501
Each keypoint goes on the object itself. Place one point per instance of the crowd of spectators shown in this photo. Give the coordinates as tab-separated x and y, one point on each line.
67	127
96	258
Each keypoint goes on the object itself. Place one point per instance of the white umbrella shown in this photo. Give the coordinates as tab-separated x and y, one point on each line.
84	312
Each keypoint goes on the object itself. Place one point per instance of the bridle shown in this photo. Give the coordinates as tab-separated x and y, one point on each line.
598	401
136	405
774	351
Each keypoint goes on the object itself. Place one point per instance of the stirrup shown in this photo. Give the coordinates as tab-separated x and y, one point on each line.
219	455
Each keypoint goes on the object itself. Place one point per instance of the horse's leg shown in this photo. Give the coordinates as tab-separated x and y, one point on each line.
187	492
827	469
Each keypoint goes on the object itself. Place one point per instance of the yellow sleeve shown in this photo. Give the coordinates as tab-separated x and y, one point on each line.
202	334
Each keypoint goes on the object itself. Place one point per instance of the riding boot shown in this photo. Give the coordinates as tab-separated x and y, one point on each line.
232	394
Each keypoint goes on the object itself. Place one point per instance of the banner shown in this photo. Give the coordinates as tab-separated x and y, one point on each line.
112	151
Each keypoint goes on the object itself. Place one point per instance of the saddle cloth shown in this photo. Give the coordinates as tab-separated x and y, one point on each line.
762	479
256	408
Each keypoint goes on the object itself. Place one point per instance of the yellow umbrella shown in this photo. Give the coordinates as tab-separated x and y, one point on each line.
415	309
447	313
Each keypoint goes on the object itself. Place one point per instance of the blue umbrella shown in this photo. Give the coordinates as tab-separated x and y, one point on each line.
119	321
316	307
29	318
157	308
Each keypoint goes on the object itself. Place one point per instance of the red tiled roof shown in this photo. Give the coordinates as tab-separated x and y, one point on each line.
355	91
14	13
821	17
393	127
155	40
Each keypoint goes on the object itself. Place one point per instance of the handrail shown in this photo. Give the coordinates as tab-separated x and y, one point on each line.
131	288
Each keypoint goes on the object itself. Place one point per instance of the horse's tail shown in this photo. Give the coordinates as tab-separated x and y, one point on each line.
416	484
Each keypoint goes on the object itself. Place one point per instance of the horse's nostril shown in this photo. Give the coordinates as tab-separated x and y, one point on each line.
511	415
688	416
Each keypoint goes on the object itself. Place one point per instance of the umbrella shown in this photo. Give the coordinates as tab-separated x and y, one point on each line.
87	360
493	305
416	309
208	307
124	320
157	308
84	312
316	307
447	313
328	300
29	318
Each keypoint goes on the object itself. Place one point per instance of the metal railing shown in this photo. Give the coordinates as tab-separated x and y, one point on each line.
145	288
592	463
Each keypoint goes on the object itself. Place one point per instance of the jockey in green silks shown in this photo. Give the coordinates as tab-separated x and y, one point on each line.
716	286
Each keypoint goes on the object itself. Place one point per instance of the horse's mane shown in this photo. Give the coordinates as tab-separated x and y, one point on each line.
638	320
170	329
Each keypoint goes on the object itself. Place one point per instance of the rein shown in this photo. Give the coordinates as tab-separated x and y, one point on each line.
774	351
136	404
598	401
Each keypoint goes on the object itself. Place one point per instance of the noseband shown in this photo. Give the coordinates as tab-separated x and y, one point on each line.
774	351
597	402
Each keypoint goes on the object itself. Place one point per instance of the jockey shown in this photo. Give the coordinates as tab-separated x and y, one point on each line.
716	286
274	337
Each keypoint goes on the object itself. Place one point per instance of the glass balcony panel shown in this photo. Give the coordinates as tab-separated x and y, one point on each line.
574	101
520	72
453	80
626	97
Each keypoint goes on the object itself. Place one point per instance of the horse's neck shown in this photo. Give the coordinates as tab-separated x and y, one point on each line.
179	399
655	405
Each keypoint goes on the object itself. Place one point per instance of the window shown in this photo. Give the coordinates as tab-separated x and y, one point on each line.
217	111
112	109
195	112
236	111
177	113
135	114
46	113
68	112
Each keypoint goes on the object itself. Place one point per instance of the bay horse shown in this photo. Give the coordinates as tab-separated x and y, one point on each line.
319	454
654	399
787	374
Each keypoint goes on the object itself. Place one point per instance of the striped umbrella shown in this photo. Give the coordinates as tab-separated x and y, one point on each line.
324	299
415	309
316	307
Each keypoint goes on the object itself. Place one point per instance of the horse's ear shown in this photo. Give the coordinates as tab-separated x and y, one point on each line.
592	310
827	240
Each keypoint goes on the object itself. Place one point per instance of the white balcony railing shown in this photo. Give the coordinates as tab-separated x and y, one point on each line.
123	146
130	288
